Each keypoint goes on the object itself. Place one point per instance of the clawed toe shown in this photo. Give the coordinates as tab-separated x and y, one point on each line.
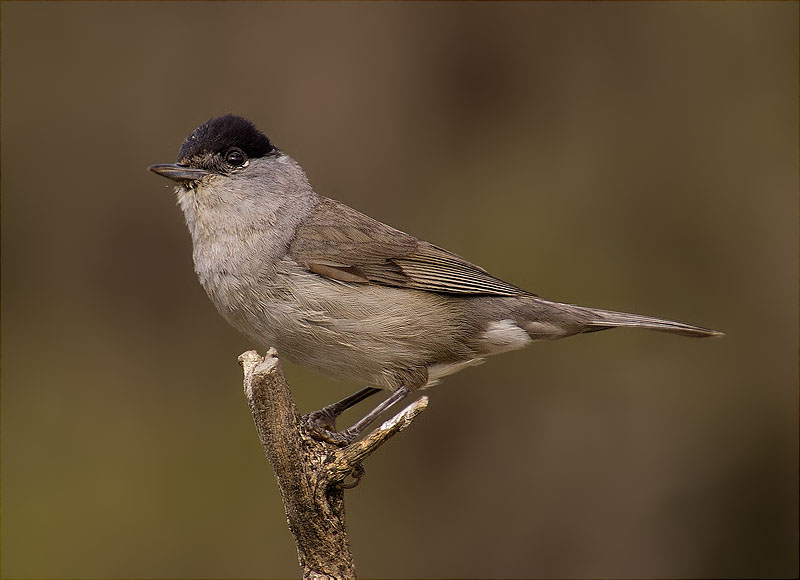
321	419
323	428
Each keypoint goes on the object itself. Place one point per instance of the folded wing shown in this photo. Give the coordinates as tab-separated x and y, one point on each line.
340	243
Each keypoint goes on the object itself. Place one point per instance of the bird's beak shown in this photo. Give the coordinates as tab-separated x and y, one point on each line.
178	172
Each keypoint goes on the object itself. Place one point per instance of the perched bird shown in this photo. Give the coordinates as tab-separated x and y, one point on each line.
342	293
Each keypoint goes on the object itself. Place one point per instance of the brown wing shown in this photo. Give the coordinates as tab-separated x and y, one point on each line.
342	244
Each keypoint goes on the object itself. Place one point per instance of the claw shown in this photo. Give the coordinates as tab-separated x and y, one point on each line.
357	473
320	431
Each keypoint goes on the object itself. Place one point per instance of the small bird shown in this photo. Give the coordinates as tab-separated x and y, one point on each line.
337	291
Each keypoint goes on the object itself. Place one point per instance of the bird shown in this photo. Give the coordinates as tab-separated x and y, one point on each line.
342	293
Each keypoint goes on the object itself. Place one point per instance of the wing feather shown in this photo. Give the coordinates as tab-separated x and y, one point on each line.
340	243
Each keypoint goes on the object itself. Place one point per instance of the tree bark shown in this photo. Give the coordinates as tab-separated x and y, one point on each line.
311	473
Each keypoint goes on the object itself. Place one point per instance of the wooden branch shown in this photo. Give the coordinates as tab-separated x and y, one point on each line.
311	473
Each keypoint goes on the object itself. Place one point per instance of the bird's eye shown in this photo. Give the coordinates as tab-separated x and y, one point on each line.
235	157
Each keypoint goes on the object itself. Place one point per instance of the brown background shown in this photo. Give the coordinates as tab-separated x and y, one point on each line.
637	156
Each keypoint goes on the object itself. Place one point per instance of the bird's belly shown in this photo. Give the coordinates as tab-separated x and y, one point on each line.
374	335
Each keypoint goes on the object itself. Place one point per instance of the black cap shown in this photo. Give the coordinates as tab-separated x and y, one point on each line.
219	134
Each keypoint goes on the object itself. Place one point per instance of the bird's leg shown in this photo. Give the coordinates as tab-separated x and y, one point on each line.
325	418
351	434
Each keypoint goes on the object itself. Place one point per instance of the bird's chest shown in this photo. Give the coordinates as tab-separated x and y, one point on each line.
237	271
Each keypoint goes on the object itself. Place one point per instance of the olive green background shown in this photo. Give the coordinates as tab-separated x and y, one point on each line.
634	156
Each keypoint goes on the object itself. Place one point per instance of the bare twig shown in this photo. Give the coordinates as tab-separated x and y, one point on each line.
311	473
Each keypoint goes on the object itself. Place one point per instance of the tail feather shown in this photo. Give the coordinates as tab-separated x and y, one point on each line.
602	319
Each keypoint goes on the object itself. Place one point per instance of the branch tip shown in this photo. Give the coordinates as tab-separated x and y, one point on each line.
352	455
403	418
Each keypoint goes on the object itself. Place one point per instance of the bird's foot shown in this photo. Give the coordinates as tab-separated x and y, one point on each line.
322	423
322	426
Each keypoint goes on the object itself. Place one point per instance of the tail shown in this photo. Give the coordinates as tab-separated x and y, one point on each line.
603	319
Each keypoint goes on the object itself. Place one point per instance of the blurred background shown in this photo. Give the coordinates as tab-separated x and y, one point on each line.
632	156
